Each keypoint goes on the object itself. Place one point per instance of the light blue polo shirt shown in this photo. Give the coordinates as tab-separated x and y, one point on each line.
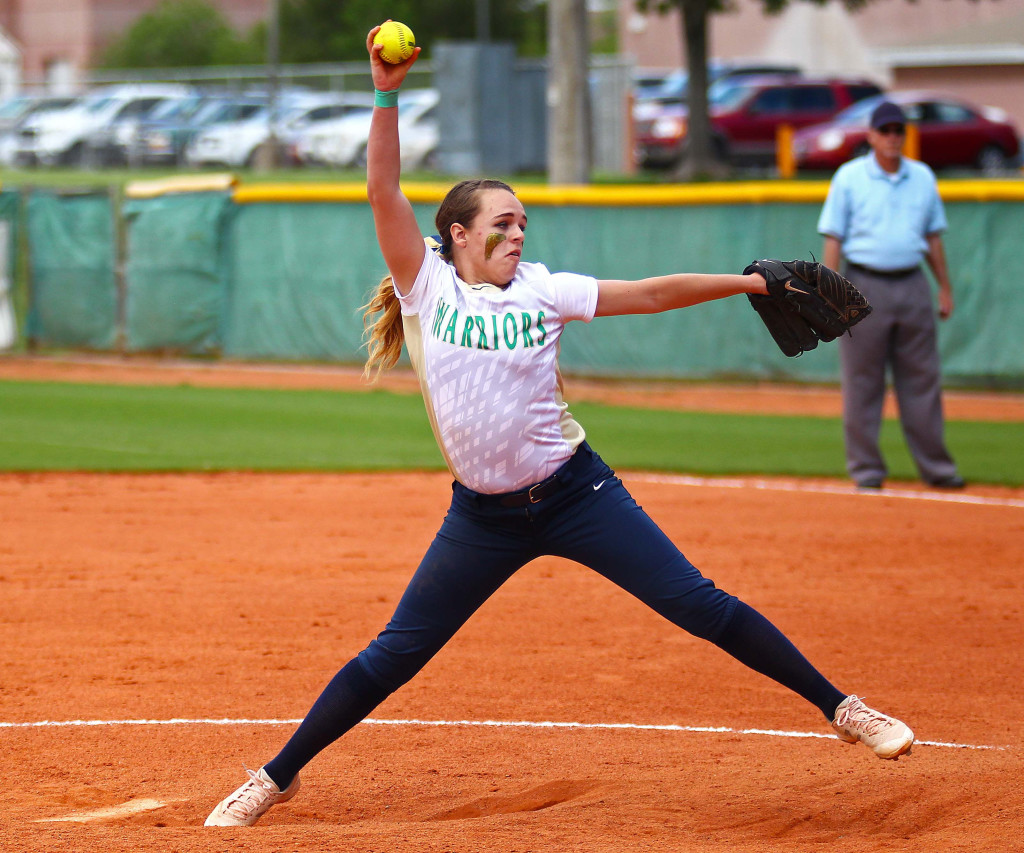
882	219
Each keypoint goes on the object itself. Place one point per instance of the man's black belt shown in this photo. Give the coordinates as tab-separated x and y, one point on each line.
904	273
534	494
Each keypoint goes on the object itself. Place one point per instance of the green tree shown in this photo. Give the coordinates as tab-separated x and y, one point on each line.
180	33
194	33
335	30
700	155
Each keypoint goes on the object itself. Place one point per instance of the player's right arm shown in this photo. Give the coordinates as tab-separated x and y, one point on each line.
397	230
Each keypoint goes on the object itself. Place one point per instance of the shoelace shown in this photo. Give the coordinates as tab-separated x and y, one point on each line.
863	718
250	796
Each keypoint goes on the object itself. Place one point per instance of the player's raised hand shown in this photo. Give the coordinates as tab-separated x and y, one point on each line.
387	76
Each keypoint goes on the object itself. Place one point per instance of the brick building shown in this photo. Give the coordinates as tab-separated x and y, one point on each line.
60	39
970	48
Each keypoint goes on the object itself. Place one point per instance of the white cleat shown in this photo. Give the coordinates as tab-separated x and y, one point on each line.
250	802
886	736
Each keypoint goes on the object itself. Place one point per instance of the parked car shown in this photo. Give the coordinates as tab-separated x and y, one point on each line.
952	134
746	113
16	111
60	137
342	143
350	104
236	143
164	135
116	142
672	86
420	137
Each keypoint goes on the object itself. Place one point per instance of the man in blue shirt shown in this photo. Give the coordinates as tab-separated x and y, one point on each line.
883	215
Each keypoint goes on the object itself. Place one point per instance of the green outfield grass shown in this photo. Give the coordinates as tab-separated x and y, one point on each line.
63	426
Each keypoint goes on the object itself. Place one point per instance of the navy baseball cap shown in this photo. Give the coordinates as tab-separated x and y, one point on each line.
887	113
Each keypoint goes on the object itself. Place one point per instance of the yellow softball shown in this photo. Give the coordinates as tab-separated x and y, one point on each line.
398	42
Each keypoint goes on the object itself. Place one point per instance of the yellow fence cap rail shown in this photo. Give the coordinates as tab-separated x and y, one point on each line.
982	190
612	195
624	195
182	184
340	192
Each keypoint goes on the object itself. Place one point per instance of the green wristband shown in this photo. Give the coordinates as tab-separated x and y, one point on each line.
385	99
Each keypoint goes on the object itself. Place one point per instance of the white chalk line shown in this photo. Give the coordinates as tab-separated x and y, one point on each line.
510	724
824	489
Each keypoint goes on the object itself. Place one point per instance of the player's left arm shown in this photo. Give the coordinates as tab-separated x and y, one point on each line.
936	258
668	292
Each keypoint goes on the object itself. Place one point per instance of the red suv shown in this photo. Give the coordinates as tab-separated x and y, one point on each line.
745	116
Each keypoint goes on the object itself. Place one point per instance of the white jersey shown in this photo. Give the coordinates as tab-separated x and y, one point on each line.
487	361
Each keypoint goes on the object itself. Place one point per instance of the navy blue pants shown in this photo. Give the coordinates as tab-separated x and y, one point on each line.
591	519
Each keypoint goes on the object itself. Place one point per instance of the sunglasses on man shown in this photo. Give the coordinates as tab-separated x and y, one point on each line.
892	130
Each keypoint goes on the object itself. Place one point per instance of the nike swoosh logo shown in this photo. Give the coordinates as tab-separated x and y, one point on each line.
598	486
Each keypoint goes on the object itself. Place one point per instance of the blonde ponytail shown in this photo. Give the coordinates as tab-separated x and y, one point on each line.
385	333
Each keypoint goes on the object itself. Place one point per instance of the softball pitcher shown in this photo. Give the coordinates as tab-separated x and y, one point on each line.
482	328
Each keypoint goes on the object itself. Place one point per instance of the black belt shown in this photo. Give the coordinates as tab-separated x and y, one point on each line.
904	273
534	494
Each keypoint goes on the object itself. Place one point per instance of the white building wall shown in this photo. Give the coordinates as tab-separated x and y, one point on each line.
10	67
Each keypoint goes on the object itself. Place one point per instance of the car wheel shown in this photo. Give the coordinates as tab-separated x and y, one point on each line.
719	151
992	161
720	148
76	156
861	149
257	157
360	159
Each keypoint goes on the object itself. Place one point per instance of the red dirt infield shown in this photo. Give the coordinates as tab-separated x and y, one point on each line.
183	617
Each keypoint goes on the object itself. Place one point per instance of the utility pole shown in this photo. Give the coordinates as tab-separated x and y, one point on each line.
570	153
267	154
483	20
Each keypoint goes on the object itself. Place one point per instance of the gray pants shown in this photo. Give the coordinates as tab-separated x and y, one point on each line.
899	333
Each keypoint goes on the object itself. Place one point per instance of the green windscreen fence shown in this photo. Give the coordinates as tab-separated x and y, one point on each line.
176	285
73	297
9	202
300	275
713	339
280	276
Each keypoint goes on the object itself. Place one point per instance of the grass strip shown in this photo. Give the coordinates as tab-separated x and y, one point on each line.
53	426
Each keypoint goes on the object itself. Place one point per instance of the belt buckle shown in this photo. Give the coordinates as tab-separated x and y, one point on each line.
529	494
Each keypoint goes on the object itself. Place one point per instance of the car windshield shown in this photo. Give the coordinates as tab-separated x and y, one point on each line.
176	108
217	111
859	114
53	104
98	105
284	114
260	114
674	87
289	114
207	111
728	93
14	106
